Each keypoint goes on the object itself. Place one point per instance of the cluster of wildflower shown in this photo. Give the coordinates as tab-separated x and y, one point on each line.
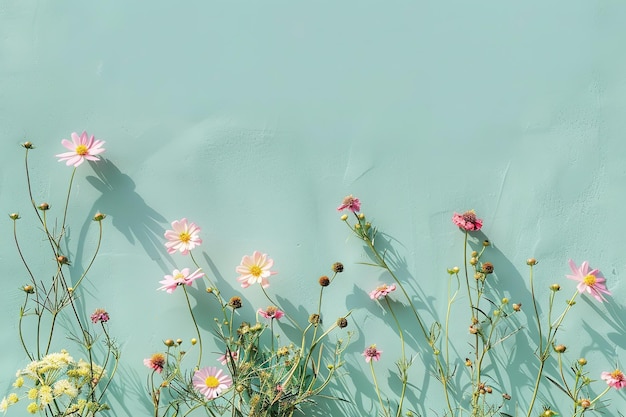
589	281
57	380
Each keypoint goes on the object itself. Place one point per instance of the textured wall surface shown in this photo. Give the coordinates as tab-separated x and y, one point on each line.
254	120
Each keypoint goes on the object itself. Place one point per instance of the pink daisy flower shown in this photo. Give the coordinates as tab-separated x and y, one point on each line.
182	277
589	280
184	237
156	362
223	359
615	379
350	203
81	148
255	269
382	291
372	353
211	381
467	221
271	312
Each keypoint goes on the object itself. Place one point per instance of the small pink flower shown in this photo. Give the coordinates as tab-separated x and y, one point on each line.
372	353
156	362
467	221
271	312
589	280
350	203
81	148
255	269
382	291
615	379
224	358
182	277
99	316
211	381
184	237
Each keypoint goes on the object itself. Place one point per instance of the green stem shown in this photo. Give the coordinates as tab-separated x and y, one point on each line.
380	400
195	324
404	366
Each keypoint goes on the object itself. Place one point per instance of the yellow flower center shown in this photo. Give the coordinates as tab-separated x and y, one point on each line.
255	270
617	374
589	280
179	276
184	237
211	382
82	150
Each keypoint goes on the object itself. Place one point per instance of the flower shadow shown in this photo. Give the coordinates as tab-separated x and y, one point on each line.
129	212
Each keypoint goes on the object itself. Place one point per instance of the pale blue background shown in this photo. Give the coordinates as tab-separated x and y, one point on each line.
254	119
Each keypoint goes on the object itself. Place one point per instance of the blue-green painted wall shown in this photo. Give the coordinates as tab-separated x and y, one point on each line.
254	119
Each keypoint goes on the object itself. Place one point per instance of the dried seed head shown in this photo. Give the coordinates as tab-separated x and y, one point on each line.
337	267
324	281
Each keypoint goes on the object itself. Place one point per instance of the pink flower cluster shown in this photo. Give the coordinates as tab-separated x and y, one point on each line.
467	221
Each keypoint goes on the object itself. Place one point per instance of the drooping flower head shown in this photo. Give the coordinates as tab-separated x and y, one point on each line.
156	362
615	379
271	312
182	277
211	381
255	269
350	203
224	358
183	237
589	280
372	353
81	147
467	221
382	291
99	316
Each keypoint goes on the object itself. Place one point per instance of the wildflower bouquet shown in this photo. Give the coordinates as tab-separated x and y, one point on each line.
469	383
259	375
53	383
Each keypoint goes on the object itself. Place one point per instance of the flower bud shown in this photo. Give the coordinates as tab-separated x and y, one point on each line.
487	268
357	226
479	275
14	216
44	206
314	319
506	396
585	403
169	342
496	312
99	217
179	341
28	145
337	267
468	362
324	281
473	330
361	216
344	217
342	322
63	260
555	287
486	242
456	269
582	361
517	307
489	390
474	254
560	348
473	260
505	300
28	289
531	261
235	302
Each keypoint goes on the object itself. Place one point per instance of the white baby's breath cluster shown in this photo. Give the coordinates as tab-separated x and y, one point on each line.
57	378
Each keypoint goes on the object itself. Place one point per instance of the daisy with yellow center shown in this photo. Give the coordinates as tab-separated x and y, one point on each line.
211	381
255	269
81	148
615	379
183	237
589	280
182	277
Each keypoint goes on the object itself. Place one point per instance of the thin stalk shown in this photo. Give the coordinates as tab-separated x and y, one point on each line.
380	400
404	365
195	324
93	258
